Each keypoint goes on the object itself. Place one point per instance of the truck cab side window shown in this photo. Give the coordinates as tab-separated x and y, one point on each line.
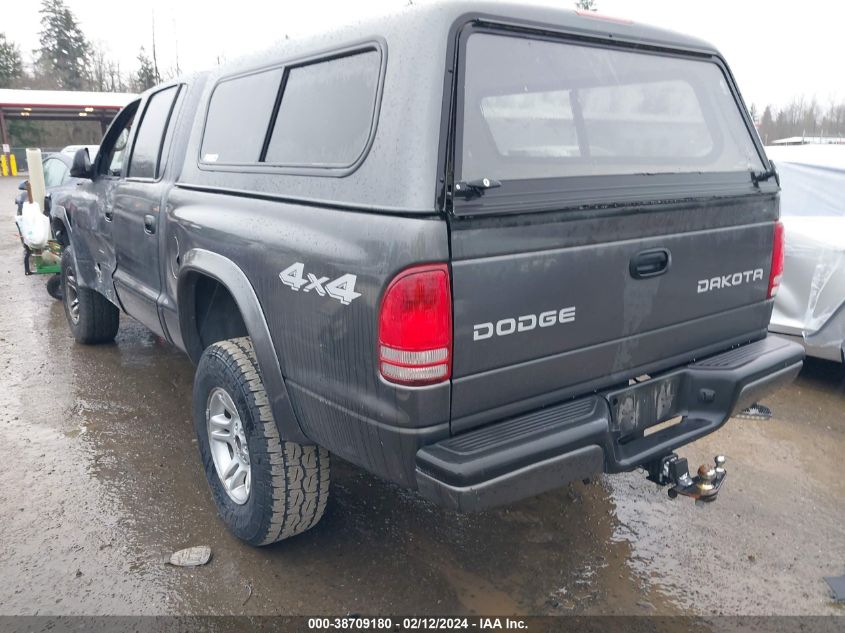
147	150
116	162
112	157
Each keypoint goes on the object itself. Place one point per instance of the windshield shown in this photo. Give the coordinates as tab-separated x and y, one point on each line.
542	109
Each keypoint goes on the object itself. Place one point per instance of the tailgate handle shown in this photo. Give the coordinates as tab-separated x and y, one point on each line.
650	263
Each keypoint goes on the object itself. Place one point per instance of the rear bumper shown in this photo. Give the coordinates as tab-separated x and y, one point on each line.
604	432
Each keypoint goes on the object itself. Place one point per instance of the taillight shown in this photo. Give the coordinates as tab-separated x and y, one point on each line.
415	327
777	261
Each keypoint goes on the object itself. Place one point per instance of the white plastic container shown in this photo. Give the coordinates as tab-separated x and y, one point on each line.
34	226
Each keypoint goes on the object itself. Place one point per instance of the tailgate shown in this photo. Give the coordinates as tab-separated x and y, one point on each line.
548	306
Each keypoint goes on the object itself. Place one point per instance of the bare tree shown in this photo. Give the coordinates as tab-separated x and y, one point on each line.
103	72
803	117
155	58
97	69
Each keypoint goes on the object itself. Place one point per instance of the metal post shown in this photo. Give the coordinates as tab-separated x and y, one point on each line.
4	133
4	137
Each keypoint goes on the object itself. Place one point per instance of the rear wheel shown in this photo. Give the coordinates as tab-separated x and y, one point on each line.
265	489
92	318
54	286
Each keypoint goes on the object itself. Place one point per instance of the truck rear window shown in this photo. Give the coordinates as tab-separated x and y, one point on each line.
546	109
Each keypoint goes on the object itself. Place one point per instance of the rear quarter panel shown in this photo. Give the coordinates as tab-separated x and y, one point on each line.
327	350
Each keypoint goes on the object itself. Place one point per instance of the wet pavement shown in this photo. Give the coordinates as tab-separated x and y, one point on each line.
101	482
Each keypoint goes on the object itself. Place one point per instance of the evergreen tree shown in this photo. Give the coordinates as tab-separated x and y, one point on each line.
146	76
63	54
586	5
767	124
11	64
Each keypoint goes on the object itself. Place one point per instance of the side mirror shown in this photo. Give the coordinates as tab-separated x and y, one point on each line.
81	166
22	185
48	203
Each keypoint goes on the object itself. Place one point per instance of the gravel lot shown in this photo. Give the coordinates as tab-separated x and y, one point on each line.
101	482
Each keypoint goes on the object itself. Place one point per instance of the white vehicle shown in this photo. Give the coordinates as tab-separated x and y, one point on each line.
70	150
810	306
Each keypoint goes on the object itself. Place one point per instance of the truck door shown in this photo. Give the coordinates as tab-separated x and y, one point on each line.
136	210
90	208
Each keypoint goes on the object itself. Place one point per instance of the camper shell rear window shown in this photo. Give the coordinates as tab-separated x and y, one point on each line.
536	108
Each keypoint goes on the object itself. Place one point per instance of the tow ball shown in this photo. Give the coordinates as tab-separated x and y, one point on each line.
673	471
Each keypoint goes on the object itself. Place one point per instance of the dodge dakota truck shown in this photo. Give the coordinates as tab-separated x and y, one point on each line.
481	250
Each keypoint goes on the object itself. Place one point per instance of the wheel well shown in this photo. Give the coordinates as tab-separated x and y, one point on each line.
216	316
60	232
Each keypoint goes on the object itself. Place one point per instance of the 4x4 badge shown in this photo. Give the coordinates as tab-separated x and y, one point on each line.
342	288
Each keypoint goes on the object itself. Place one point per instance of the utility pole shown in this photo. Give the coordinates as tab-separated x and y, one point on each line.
155	60
176	47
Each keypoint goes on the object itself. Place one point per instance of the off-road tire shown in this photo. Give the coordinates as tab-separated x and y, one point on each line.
98	319
289	481
54	286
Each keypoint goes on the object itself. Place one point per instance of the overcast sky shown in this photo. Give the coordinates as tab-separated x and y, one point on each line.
775	49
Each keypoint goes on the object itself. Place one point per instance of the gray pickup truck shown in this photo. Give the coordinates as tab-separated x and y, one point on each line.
480	250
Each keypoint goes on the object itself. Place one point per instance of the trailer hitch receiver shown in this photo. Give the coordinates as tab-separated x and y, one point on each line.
671	470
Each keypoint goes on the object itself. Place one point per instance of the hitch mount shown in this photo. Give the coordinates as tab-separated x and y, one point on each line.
671	470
